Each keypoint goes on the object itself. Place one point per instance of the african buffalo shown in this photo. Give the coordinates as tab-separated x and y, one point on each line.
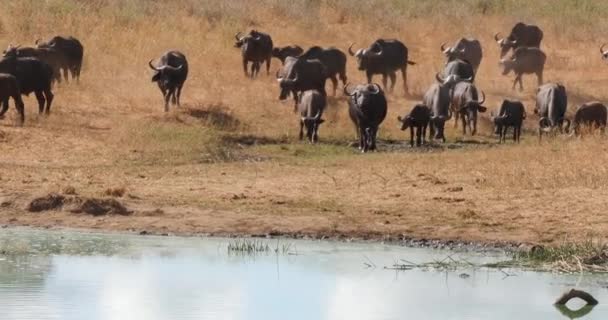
9	88
418	119
522	35
50	56
256	47
32	75
466	103
299	75
460	68
551	105
590	114
464	49
170	74
367	108
282	53
511	114
525	60
437	98
72	53
334	61
311	106
385	57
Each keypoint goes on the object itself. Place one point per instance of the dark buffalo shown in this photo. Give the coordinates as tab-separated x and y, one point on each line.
367	108
170	73
460	68
298	75
334	61
282	53
418	119
438	99
72	51
311	106
256	47
525	60
590	114
32	75
466	104
384	57
465	49
9	88
50	56
522	35
551	105
511	114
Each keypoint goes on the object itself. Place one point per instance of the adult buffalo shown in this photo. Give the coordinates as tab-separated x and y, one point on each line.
525	60
311	106
55	59
437	98
334	61
511	114
32	75
367	108
551	105
464	49
282	53
298	75
256	47
72	51
522	35
385	57
467	104
170	73
459	68
591	114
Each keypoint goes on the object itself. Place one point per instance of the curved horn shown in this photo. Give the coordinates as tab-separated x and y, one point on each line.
438	78
484	98
602	49
350	49
152	66
443	47
496	37
37	41
317	116
346	90
375	85
172	68
236	36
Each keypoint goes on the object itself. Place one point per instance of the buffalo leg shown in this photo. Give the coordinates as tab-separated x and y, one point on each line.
404	76
301	129
431	132
268	65
65	75
384	81
372	136
464	124
179	94
245	67
362	140
393	77
168	95
334	81
519	79
49	100
411	136
369	76
424	133
539	77
4	108
19	106
343	77
41	100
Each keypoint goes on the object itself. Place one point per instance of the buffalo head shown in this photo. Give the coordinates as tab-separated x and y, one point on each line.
365	55
505	44
312	127
163	74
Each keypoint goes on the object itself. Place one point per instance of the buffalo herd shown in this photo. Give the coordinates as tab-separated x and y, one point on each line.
303	74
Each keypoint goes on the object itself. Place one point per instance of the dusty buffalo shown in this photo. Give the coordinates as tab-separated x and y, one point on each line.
417	119
464	49
591	114
385	57
299	75
367	108
525	61
311	106
72	53
9	88
522	35
437	98
551	105
334	61
460	68
466	104
511	114
282	53
32	75
170	73
50	56
256	47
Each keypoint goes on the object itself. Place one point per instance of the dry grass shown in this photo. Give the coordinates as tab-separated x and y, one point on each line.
229	161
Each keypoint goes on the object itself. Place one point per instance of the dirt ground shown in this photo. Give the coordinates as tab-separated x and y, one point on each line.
228	162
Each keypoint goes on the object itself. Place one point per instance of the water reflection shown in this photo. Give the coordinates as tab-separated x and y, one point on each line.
574	314
172	278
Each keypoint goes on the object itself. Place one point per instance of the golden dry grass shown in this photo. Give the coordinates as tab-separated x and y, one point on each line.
193	171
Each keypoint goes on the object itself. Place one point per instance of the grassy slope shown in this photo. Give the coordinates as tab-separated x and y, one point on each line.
196	164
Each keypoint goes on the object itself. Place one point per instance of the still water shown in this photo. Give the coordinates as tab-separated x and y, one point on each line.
71	275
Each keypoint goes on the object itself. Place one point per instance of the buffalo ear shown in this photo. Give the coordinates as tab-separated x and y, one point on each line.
321	121
482	109
399	119
156	77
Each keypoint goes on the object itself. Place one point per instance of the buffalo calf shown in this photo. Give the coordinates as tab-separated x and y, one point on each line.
590	114
417	119
9	88
511	114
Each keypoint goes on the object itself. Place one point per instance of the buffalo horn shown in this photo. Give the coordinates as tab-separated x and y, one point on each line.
484	97
350	49
496	37
346	90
